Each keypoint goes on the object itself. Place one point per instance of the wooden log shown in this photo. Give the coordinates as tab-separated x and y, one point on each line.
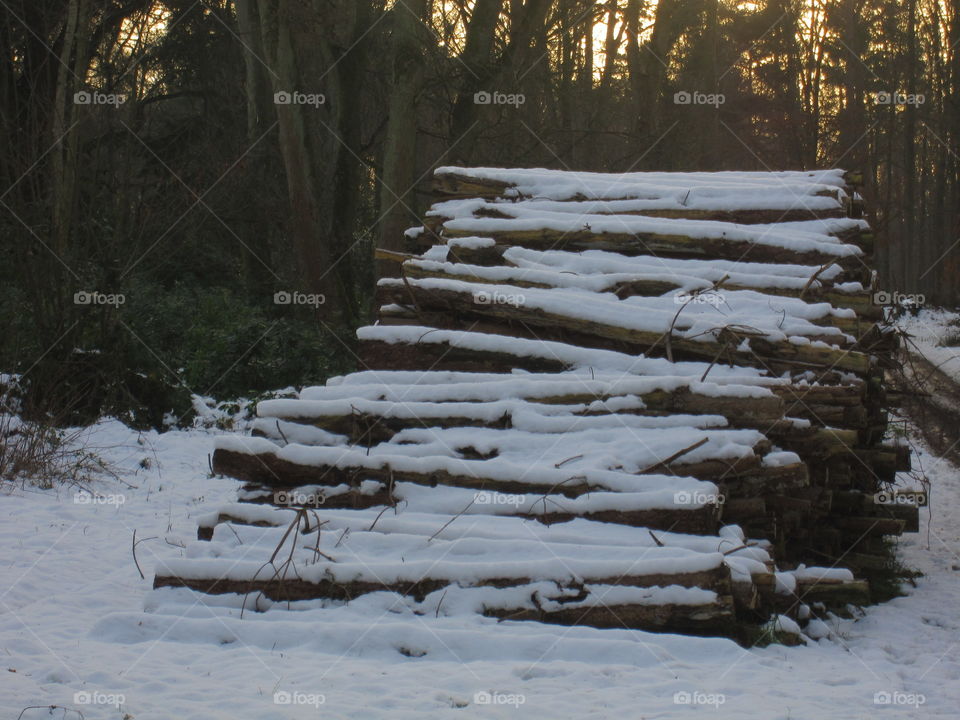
866	331
766	481
295	588
462	183
867	562
763	351
816	443
860	302
834	594
634	244
379	355
871	526
713	619
738	510
370	428
269	470
708	619
313	497
850	395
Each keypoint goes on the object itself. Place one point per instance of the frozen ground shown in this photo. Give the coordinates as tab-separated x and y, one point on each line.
80	629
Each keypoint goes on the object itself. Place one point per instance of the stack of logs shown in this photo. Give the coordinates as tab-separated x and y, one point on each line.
644	359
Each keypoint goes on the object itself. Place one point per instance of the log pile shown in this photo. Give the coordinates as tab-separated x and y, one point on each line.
651	400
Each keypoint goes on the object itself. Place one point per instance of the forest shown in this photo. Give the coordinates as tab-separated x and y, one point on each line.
191	192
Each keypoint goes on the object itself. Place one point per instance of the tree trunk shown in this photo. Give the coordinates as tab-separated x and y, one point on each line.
399	156
477	63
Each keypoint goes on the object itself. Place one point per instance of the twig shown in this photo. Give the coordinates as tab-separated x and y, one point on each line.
133	549
713	362
437	613
564	462
447	523
813	279
287	442
375	520
49	707
675	456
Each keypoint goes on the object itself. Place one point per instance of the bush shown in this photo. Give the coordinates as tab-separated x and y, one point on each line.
229	344
38	453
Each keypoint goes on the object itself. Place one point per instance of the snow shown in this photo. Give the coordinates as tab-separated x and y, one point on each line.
471	243
75	617
935	333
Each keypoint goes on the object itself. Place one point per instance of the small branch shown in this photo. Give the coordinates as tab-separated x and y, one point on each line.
50	707
447	523
133	549
675	456
813	279
564	462
286	442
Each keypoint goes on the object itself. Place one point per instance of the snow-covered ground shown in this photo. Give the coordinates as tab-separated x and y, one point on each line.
80	629
935	333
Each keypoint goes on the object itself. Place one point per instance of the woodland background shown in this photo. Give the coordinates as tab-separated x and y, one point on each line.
200	196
